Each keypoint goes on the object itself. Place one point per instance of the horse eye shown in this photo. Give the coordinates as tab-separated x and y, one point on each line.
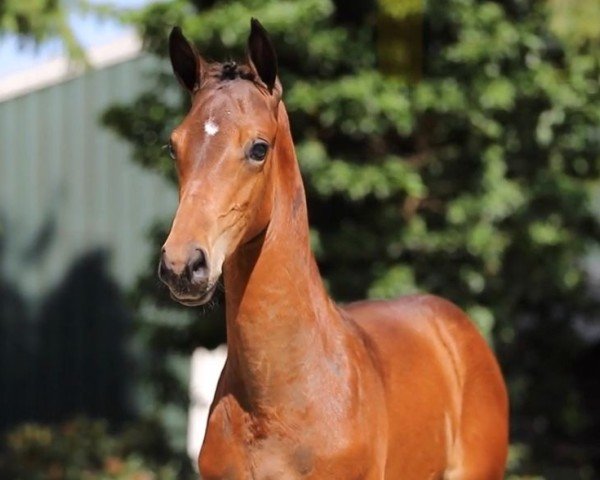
258	151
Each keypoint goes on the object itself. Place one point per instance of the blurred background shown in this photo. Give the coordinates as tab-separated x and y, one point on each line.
448	146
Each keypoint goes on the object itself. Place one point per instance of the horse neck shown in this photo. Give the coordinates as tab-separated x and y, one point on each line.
277	309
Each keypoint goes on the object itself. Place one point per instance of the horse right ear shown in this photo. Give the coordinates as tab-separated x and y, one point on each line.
187	63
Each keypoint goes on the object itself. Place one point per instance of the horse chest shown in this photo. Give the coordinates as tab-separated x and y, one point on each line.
226	457
238	448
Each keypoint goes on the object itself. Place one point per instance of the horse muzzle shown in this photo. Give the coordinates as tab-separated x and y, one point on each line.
187	276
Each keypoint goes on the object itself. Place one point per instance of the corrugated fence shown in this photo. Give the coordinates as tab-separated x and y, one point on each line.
74	214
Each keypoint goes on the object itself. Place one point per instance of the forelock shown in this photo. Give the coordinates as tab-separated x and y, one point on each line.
223	72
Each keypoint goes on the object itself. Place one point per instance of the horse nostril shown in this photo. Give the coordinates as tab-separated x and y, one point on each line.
162	267
197	268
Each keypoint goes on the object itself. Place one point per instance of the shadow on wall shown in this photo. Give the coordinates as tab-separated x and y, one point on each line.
67	356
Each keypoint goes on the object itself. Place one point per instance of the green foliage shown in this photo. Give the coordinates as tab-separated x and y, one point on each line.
40	20
82	450
475	183
576	22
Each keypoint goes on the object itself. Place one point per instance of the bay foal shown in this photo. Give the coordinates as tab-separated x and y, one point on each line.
403	389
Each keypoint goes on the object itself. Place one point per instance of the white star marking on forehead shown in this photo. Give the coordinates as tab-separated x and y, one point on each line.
210	127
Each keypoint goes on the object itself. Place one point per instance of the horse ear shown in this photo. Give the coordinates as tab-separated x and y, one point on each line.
187	63
262	54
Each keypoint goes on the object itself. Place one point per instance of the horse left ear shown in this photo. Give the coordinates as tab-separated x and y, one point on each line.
262	54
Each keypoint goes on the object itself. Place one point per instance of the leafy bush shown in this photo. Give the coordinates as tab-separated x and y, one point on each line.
84	450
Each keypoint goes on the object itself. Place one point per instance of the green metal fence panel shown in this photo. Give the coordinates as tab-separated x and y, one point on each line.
58	164
74	217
